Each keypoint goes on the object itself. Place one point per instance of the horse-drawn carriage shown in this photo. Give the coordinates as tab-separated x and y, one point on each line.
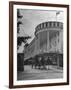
39	61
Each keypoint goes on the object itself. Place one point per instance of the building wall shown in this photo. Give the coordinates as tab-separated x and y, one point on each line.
29	50
48	39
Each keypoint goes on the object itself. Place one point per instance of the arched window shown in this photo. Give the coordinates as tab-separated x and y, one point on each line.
57	24
42	25
50	24
46	24
54	24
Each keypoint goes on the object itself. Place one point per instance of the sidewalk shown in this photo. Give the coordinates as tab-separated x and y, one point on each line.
33	74
54	68
28	69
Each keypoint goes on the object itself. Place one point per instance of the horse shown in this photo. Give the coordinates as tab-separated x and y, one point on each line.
38	62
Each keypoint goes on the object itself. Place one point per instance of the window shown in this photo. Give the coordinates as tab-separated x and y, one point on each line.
50	24
46	24
57	24
54	24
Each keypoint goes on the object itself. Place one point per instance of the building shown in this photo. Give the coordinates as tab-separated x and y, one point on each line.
48	42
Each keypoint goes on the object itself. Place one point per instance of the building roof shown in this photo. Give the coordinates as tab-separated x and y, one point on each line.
49	24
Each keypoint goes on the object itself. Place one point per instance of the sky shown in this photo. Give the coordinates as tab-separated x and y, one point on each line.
31	18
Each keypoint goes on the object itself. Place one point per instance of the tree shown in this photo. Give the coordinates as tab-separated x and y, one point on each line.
20	39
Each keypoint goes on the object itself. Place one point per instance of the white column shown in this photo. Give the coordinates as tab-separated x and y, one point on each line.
39	42
47	41
35	45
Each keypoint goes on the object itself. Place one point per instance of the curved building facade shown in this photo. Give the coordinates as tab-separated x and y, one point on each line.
48	41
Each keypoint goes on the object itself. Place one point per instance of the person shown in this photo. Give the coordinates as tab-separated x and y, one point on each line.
39	62
36	62
48	62
32	63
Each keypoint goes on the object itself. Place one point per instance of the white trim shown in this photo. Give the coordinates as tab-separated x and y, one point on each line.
23	82
48	29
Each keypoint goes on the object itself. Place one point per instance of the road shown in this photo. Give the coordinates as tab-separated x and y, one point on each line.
36	74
